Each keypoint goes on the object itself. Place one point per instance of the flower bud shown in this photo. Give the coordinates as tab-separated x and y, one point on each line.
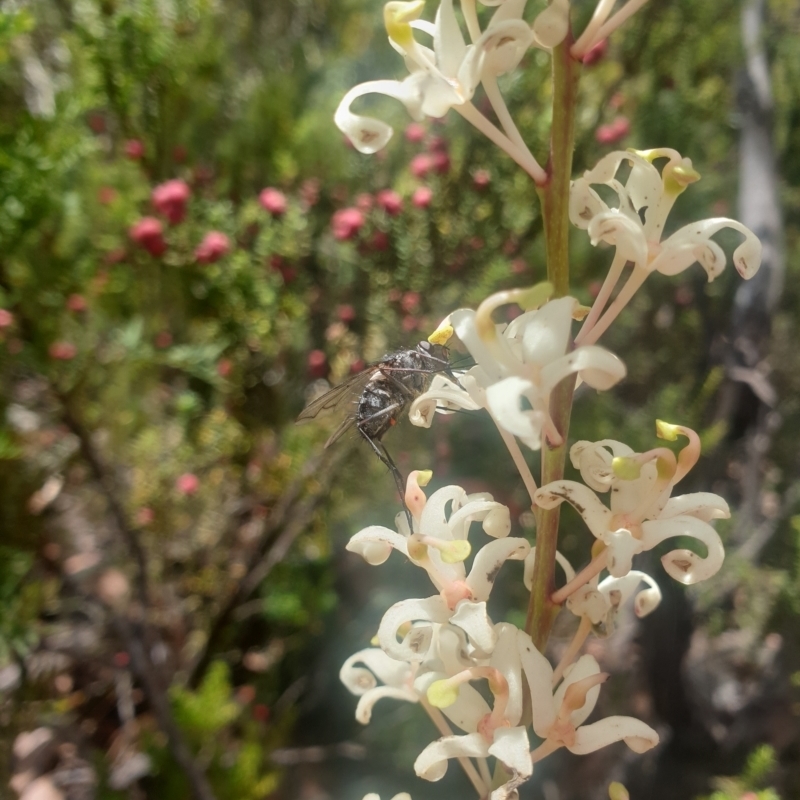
148	233
170	199
213	247
273	200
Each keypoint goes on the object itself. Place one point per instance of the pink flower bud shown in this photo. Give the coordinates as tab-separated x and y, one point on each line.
422	197
415	132
115	256
213	247
187	484
409	301
163	339
77	303
438	144
170	199
364	202
273	200
346	313
144	516
6	319
224	367
97	123
309	192
317	364
441	163
482	178
596	53
389	201
380	241
614	132
106	195
134	149
346	223
421	165
518	266
62	351
148	233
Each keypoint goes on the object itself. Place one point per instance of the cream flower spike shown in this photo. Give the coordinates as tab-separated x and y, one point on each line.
519	364
401	796
641	513
636	226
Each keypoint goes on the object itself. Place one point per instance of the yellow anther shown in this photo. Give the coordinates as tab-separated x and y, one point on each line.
442	694
396	17
443	333
455	552
666	430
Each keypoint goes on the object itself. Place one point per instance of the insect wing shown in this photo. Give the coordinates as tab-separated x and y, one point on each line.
337	397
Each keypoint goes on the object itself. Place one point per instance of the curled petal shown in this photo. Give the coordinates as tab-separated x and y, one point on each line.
550	27
703	505
496	518
585	667
375	544
488	561
622	547
504	44
368	134
584	204
505	657
686	566
474	621
511	746
442	396
625	234
635	733
582	498
618	591
415	644
434	520
590	603
539	674
594	461
431	763
596	366
359	680
367	701
505	402
693	243
530	561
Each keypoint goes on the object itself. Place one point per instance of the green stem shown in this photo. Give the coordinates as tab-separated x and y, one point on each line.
554	196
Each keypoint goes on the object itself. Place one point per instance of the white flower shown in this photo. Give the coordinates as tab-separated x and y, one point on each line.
439	545
440	78
518	365
641	513
401	796
636	225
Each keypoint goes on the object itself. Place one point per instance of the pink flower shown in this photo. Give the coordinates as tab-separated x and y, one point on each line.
415	132
213	247
389	201
422	197
76	303
62	351
380	241
134	149
273	200
409	301
224	367
106	195
364	202
441	162
317	364
97	122
309	192
421	165
148	233
144	516
346	313
6	319
596	53
346	223
438	144
614	132
188	483
163	339
170	199
482	178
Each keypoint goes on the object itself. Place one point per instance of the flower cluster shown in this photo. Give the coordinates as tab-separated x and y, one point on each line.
433	649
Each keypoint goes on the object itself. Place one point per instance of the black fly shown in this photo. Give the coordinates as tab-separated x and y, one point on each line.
379	395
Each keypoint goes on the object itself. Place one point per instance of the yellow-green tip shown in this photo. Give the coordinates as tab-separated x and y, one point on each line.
456	551
626	468
666	430
424	476
616	791
396	17
442	694
535	297
443	333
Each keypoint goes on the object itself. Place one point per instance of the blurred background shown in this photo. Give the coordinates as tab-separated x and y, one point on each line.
187	245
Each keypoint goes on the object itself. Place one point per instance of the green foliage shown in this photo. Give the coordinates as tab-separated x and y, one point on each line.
761	763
